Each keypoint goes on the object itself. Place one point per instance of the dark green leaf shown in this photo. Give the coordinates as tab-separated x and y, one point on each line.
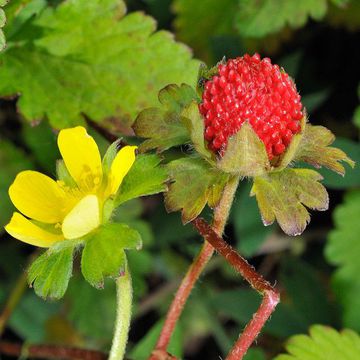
50	273
103	255
253	19
284	196
146	177
343	250
163	126
195	184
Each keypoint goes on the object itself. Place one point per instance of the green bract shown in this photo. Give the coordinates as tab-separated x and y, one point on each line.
2	23
282	193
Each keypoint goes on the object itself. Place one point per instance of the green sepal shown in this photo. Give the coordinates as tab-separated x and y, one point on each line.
110	155
245	154
285	196
314	149
62	173
163	126
195	184
196	128
146	177
292	148
103	255
50	273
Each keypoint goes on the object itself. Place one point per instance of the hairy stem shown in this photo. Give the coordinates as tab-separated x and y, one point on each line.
271	296
123	316
221	214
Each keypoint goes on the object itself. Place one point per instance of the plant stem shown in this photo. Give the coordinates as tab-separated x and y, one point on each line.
271	296
123	315
221	214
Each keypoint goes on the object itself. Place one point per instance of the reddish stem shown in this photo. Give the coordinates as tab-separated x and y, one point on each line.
221	214
271	296
50	352
181	296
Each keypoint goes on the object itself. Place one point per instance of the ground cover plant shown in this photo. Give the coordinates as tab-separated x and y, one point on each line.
154	155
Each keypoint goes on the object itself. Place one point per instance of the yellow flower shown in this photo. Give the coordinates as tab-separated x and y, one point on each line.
59	210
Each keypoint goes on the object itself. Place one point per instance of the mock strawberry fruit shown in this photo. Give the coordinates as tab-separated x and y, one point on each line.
254	90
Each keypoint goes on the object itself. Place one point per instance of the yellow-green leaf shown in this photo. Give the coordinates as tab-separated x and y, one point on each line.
314	149
286	195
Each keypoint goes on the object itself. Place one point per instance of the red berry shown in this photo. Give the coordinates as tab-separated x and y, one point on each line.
250	89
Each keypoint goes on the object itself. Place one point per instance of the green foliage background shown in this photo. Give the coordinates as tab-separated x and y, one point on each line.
68	62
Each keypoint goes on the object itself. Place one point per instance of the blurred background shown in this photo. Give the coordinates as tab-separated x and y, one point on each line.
317	42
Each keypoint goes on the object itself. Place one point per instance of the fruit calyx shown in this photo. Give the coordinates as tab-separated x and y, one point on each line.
251	89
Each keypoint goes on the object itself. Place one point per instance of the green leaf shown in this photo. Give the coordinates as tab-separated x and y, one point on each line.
323	343
197	22
146	177
343	250
253	19
12	160
163	126
314	149
103	255
91	49
143	348
284	196
245	154
195	184
50	273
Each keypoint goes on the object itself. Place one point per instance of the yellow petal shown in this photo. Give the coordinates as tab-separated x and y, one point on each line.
120	167
83	218
38	197
81	156
24	230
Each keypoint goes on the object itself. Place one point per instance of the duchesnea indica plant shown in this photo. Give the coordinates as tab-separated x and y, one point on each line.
244	121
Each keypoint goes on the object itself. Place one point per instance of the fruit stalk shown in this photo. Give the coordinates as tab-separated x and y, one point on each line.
271	297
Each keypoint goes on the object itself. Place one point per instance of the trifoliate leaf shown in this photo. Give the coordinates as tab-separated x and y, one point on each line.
194	185
314	149
103	254
253	17
91	51
50	273
343	250
163	127
146	177
245	154
286	194
2	23
324	343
